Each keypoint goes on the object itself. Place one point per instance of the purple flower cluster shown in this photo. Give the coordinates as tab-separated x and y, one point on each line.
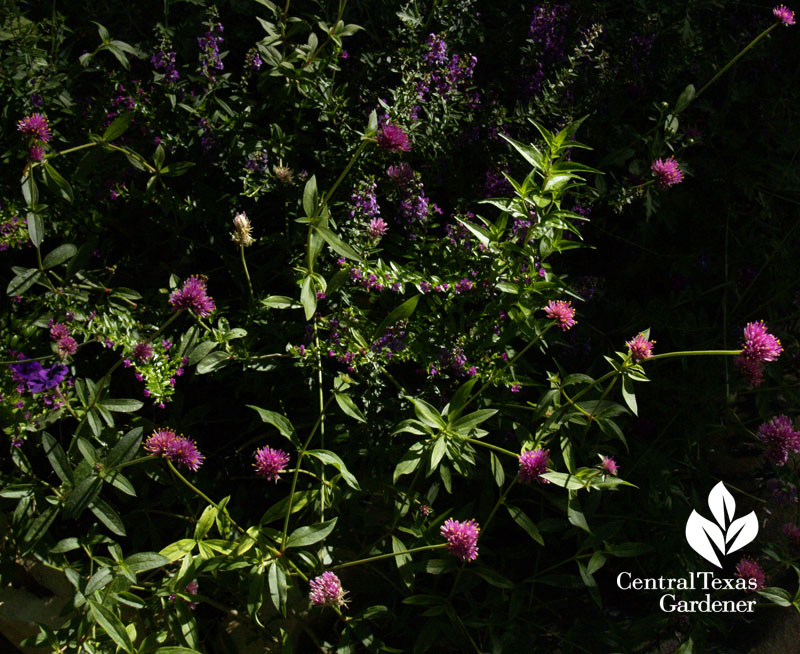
35	376
462	538
608	465
496	185
38	129
533	464
257	161
365	203
326	590
210	59
446	74
393	138
546	33
194	297
13	232
562	312
61	335
748	569
253	60
392	342
178	449
759	344
781	439
164	60
640	347
667	172
377	228
270	462
784	14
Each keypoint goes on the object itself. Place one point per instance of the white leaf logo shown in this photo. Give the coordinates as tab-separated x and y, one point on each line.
727	534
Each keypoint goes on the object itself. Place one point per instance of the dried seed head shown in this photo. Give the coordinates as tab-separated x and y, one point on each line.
284	174
242	233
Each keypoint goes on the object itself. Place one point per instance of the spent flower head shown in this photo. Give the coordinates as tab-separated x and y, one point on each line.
608	465
242	230
462	538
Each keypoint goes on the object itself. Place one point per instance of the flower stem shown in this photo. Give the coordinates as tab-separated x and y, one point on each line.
475	441
390	555
246	273
667	355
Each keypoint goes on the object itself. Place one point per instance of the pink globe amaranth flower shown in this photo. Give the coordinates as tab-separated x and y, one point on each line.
759	344
36	126
640	347
667	172
58	331
194	297
562	312
792	533
393	138
326	590
608	465
36	152
752	369
750	571
183	451
532	464
270	462
142	352
67	345
784	14
159	441
377	227
781	439
462	538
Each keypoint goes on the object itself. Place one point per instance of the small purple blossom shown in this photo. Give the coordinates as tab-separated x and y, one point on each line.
781	439
562	312
667	172
159	440
142	352
36	152
193	296
184	452
784	14
270	462
640	347
608	465
792	533
35	126
392	138
759	344
377	228
326	590
748	569
462	538
533	464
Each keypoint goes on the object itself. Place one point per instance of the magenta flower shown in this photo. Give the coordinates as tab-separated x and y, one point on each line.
58	331
462	538
748	569
159	441
792	533
36	152
377	227
193	296
393	138
608	465
640	347
562	312
183	451
759	344
142	352
532	464
326	590
35	126
270	462
781	439
784	14
67	345
667	172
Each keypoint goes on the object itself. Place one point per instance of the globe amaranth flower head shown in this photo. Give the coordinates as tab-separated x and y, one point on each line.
193	296
667	172
326	590
36	126
608	465
759	344
562	312
393	138
270	462
752	369
640	347
178	449
784	14
781	439
792	533
750	571
462	538
532	464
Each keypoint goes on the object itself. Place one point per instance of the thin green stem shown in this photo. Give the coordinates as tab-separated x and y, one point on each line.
496	448
390	555
322	419
690	353
133	462
246	272
501	500
329	194
74	149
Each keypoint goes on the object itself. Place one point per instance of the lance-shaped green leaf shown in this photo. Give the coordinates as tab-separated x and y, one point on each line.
398	313
37	529
126	448
58	256
308	297
99	579
22	282
142	561
310	534
427	414
278	588
108	516
466	424
117	127
337	244
57	457
81	496
330	458
282	423
519	516
349	407
532	154
112	625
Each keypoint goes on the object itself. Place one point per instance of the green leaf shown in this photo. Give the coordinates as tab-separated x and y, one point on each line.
81	496
460	398
178	549
282	423
776	595
308	296
427	414
99	579
53	178
205	522
597	561
311	534
590	583
532	154
279	302
337	244
467	423
37	529
158	157
125	449
31	193
65	545
330	458
437	452
310	197
576	517
142	561
349	407
200	351
398	313
57	457
685	98
493	578
121	405
117	127
22	282
276	580
628	395
177	168
520	517
628	549
409	463
108	516
497	469
112	625
58	256
212	362
35	229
